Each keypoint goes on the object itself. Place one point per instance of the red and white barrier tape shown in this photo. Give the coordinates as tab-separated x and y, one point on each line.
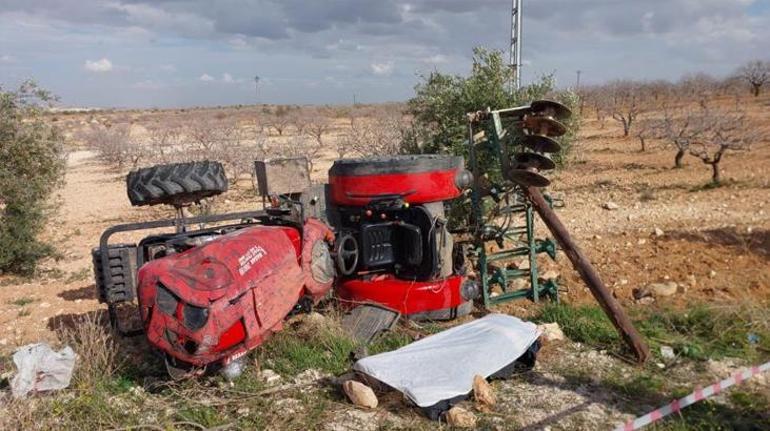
698	395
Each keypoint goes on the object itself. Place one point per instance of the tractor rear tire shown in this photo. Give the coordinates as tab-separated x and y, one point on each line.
176	183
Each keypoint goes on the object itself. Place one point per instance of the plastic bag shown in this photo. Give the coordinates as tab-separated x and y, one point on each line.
40	368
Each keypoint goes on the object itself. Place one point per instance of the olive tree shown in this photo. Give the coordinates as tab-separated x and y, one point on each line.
32	164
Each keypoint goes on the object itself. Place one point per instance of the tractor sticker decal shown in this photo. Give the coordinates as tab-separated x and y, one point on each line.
252	256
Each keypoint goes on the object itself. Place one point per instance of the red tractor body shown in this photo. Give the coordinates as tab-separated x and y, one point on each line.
208	296
220	299
392	209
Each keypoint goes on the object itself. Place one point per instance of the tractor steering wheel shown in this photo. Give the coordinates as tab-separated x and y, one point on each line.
347	254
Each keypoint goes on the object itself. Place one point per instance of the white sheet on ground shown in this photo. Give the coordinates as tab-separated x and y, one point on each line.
41	369
442	366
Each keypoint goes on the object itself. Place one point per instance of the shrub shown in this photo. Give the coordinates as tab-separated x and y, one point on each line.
32	164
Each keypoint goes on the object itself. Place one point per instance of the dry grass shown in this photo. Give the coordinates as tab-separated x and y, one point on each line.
98	360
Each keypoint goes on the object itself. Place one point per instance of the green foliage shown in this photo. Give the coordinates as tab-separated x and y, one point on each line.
32	165
442	101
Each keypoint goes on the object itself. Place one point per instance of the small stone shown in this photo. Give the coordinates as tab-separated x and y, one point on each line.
460	418
712	274
550	275
642	241
691	280
360	394
551	332
623	282
658	232
667	352
646	300
270	377
597	237
483	392
45	304
661	365
609	205
243	411
309	376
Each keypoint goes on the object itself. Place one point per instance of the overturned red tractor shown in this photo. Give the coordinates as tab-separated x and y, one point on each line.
207	296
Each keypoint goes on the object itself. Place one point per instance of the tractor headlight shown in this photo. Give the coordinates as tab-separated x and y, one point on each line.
194	317
166	300
469	290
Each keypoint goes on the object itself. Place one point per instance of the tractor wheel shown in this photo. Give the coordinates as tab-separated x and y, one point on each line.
176	183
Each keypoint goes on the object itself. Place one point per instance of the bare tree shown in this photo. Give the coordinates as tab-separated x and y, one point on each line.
624	101
279	121
297	146
645	128
381	135
724	131
114	145
316	127
164	141
681	128
756	73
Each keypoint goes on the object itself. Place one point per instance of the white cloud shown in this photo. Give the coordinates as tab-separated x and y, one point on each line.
226	77
98	66
382	69
7	59
206	77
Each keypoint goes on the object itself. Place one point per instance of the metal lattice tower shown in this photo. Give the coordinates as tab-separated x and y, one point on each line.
515	60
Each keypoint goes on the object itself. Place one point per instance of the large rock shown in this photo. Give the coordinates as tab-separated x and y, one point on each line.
663	289
551	332
360	394
460	418
483	392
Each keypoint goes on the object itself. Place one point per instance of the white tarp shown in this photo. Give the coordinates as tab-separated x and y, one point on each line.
442	366
41	369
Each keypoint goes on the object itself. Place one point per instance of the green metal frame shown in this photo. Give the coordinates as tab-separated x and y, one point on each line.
512	241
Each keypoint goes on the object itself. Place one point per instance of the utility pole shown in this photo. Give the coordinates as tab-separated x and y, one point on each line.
515	59
577	83
256	86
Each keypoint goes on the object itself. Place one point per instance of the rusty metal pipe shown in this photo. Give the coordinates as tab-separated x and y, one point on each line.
589	275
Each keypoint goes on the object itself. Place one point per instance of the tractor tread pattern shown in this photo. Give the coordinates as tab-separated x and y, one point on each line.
176	183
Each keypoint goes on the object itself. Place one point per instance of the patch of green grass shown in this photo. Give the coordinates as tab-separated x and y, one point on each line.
24	300
326	350
389	341
745	411
23	313
206	416
584	324
699	333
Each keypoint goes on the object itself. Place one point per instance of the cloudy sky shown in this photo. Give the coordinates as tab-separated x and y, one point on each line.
206	52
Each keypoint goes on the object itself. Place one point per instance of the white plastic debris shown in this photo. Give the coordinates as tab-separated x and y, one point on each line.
41	369
442	366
